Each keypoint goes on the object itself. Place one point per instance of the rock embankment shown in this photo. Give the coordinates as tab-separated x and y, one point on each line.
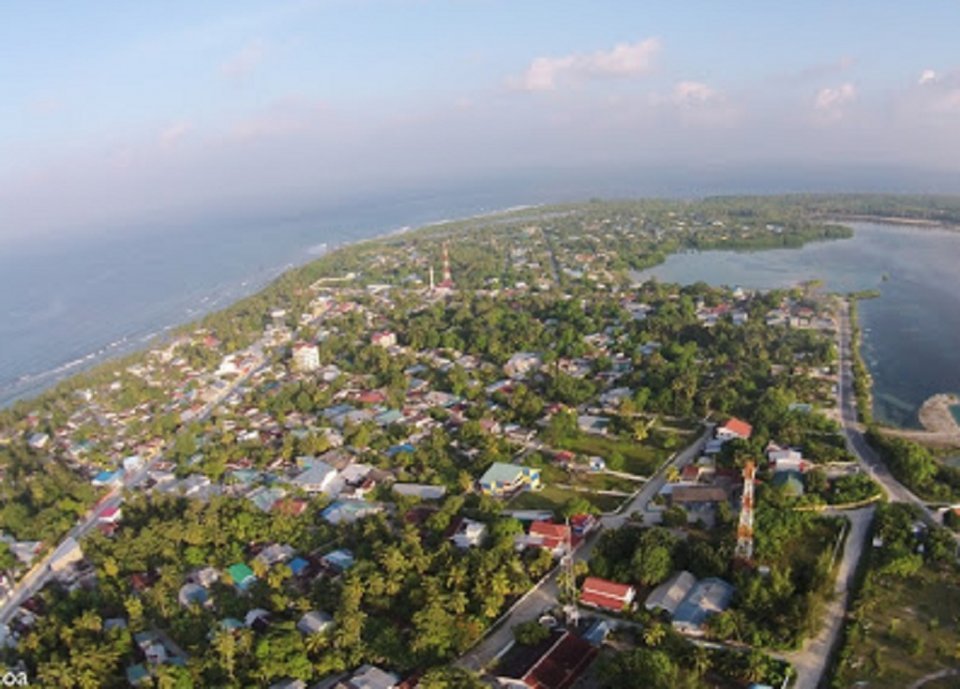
936	416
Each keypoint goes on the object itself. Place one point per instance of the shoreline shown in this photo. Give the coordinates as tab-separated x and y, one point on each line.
32	384
893	220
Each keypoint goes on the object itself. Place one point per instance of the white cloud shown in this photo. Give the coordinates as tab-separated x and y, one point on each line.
928	76
173	133
623	60
245	61
830	102
692	93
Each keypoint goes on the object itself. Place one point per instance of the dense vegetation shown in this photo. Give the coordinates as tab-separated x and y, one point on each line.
916	467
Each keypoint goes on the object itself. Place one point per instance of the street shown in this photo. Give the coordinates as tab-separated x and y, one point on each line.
546	594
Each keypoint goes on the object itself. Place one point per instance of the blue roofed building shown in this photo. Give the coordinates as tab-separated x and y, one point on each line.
339	560
349	511
708	597
298	566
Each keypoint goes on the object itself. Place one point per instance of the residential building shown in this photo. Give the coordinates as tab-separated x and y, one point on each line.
607	595
384	338
556	664
668	595
708	597
469	534
314	622
521	364
319	477
306	357
734	428
370	677
506	479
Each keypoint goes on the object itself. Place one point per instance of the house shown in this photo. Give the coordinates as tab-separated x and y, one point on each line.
241	576
137	675
349	511
107	478
592	424
384	338
607	595
556	664
338	561
469	534
314	622
257	619
38	441
505	479
369	677
786	459
274	553
734	428
698	494
319	477
521	364
668	595
306	357
582	524
419	490
289	684
110	515
555	538
708	597
193	594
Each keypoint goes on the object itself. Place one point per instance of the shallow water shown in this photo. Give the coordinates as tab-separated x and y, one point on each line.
911	332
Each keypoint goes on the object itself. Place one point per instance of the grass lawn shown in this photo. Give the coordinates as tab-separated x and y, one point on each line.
904	629
641	459
554	498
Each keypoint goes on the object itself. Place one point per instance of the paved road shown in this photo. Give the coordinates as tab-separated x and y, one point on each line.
856	442
811	661
546	594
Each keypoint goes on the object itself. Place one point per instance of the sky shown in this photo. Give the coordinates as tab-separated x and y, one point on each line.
114	113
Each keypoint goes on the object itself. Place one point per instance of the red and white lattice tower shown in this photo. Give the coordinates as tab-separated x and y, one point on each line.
744	549
447	281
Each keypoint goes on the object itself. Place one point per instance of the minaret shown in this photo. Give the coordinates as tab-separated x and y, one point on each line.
744	550
431	278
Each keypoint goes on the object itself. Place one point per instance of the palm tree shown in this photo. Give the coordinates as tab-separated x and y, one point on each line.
654	634
316	643
701	661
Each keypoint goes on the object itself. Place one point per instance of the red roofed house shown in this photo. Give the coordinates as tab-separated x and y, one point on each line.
734	428
384	338
552	537
608	595
111	515
559	664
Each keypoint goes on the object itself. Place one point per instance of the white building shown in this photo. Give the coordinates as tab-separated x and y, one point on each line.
319	477
306	357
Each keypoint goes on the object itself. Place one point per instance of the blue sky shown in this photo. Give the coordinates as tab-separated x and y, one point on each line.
113	110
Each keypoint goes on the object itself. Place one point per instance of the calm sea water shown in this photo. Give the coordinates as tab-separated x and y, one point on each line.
64	308
911	332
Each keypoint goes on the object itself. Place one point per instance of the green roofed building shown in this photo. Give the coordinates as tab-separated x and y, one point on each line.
506	479
790	481
241	575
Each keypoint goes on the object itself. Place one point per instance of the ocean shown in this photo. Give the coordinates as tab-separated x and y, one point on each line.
69	306
911	332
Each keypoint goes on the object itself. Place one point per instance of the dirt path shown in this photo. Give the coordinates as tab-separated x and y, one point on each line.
932	677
